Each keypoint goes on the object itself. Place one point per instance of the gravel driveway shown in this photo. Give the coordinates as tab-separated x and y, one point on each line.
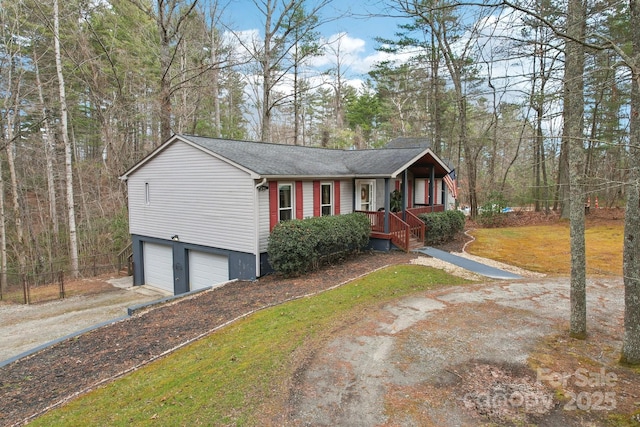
463	356
25	327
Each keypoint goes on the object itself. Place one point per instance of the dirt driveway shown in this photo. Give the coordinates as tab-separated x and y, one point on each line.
25	327
491	353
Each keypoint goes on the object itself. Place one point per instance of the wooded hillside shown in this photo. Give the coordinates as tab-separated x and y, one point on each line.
90	87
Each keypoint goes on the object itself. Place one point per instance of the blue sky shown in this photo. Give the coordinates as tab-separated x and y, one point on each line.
357	21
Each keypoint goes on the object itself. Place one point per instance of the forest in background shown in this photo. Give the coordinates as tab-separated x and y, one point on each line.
89	87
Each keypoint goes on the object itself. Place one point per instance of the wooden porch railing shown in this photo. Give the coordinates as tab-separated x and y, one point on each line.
401	231
417	227
376	218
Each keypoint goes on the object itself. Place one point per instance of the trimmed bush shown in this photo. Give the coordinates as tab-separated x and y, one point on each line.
299	246
442	226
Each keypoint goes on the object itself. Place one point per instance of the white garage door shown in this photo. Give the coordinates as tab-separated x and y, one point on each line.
207	269
158	266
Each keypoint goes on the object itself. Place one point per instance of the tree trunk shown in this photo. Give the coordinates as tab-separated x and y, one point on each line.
11	108
265	132
573	122
73	237
3	237
631	257
49	153
215	77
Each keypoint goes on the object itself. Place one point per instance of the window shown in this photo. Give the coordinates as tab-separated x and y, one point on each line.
285	206
326	199
147	197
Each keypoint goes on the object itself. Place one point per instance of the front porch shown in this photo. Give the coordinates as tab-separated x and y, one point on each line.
402	229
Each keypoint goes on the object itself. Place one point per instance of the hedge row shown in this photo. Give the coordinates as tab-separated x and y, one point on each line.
442	226
298	246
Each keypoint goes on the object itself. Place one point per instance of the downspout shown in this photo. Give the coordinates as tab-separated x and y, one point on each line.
256	215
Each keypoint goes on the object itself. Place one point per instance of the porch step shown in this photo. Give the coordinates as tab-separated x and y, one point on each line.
415	244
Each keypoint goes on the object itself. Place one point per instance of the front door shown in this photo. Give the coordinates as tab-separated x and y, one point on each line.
366	196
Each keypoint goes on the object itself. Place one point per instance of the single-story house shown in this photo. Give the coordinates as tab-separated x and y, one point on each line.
201	209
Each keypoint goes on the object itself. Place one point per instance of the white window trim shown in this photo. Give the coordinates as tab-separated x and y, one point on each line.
293	199
372	194
331	198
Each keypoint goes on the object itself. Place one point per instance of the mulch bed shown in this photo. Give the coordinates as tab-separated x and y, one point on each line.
63	371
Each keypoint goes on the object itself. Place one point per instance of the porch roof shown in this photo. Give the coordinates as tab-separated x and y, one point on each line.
265	160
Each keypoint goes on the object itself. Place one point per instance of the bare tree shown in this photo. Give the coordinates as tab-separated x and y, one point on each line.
169	17
573	122
68	158
631	257
286	24
49	151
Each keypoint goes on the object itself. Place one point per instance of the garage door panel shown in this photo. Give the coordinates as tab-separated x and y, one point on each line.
158	266
206	269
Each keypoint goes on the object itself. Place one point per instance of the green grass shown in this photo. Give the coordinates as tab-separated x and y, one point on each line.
546	248
241	374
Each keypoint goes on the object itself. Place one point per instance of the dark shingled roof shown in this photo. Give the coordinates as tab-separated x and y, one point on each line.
409	142
267	159
263	160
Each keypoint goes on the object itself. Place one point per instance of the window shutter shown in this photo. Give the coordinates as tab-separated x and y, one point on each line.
316	198
298	200
336	197
410	195
273	204
397	184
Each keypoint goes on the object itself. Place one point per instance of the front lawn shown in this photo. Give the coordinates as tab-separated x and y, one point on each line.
240	374
546	248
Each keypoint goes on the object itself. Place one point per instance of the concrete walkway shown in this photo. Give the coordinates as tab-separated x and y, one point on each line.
467	264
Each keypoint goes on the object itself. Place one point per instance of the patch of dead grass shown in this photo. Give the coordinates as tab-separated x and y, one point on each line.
546	248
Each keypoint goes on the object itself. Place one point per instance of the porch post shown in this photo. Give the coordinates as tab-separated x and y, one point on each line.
432	179
387	203
405	194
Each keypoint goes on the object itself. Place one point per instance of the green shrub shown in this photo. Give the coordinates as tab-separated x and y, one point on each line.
442	226
299	246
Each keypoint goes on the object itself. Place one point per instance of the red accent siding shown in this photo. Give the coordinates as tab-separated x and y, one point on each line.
298	200
316	198
273	204
336	196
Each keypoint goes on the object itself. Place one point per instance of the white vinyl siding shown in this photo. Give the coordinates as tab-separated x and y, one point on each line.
208	202
263	220
158	266
346	197
307	199
207	269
